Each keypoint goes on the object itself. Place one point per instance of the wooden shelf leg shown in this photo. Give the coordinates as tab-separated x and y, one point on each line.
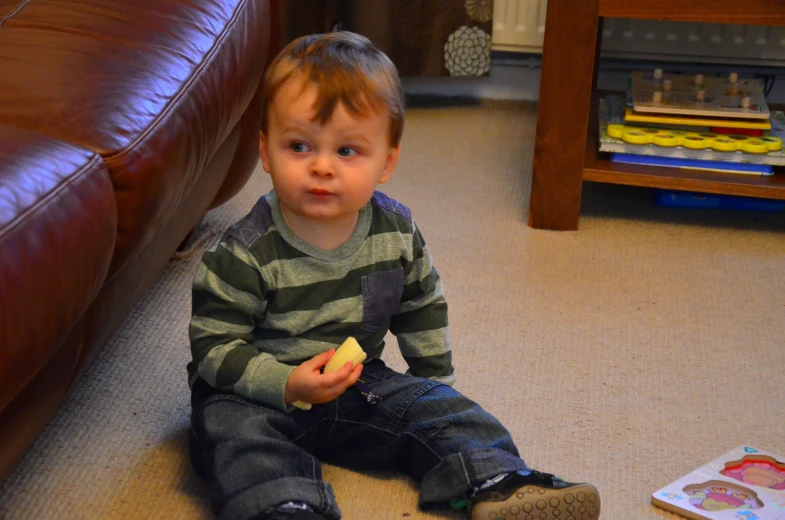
569	70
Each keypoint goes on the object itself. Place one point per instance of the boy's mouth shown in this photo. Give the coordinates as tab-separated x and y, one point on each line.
318	191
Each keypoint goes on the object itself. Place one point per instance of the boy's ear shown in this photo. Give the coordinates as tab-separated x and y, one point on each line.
263	152
390	163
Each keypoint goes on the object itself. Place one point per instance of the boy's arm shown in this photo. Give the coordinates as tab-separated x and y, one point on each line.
420	323
229	302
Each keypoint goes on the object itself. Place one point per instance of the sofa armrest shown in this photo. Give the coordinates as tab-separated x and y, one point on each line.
154	92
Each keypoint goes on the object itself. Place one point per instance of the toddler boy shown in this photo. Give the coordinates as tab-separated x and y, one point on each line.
322	257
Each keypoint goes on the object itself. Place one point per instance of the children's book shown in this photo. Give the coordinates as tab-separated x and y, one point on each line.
692	164
744	484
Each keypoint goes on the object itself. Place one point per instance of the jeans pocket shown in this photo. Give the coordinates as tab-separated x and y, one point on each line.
382	293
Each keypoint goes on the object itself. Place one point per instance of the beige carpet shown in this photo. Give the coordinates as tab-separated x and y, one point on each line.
626	354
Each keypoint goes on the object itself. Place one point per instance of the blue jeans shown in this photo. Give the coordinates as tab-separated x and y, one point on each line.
256	458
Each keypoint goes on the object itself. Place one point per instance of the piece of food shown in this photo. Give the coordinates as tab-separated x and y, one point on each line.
350	350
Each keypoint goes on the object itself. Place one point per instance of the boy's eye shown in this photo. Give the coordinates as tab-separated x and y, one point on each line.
298	147
347	151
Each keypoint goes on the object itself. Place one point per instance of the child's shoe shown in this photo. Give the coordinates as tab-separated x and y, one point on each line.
536	496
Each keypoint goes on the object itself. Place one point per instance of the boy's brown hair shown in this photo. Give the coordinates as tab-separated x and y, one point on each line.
346	68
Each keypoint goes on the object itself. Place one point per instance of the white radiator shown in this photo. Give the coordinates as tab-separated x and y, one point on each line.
519	25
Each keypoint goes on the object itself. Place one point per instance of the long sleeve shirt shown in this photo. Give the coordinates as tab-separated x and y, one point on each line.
264	300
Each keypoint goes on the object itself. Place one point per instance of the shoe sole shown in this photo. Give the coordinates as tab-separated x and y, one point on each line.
581	502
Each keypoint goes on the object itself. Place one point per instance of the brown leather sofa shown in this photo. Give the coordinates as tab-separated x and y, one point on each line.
121	123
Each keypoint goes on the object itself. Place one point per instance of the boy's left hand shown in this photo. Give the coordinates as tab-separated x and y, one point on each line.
308	384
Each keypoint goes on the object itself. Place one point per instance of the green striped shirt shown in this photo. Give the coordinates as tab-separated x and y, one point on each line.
264	300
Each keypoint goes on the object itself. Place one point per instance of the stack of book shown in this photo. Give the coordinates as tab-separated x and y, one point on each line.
693	122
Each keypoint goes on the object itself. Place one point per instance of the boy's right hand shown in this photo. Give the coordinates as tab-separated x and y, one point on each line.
307	383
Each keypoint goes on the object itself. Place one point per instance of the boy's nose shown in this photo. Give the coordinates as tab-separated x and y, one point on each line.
323	166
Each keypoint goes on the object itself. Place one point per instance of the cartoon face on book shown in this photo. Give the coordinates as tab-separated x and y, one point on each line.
760	471
716	495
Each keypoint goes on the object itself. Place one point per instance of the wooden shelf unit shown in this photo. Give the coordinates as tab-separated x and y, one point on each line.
567	111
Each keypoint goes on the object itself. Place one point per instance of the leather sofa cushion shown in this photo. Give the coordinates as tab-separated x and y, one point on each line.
152	86
57	230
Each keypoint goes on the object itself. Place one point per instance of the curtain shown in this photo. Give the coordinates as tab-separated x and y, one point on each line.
422	37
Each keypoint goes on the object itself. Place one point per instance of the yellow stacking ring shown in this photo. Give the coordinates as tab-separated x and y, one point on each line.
694	140
724	144
666	139
636	137
753	146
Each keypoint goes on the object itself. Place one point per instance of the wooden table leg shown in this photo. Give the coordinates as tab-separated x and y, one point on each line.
569	65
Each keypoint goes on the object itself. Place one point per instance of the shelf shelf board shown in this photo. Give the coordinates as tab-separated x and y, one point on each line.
749	12
599	168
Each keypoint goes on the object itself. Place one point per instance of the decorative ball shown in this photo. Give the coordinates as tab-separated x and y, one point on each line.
468	52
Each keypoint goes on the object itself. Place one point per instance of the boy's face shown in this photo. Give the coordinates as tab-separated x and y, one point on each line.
324	172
